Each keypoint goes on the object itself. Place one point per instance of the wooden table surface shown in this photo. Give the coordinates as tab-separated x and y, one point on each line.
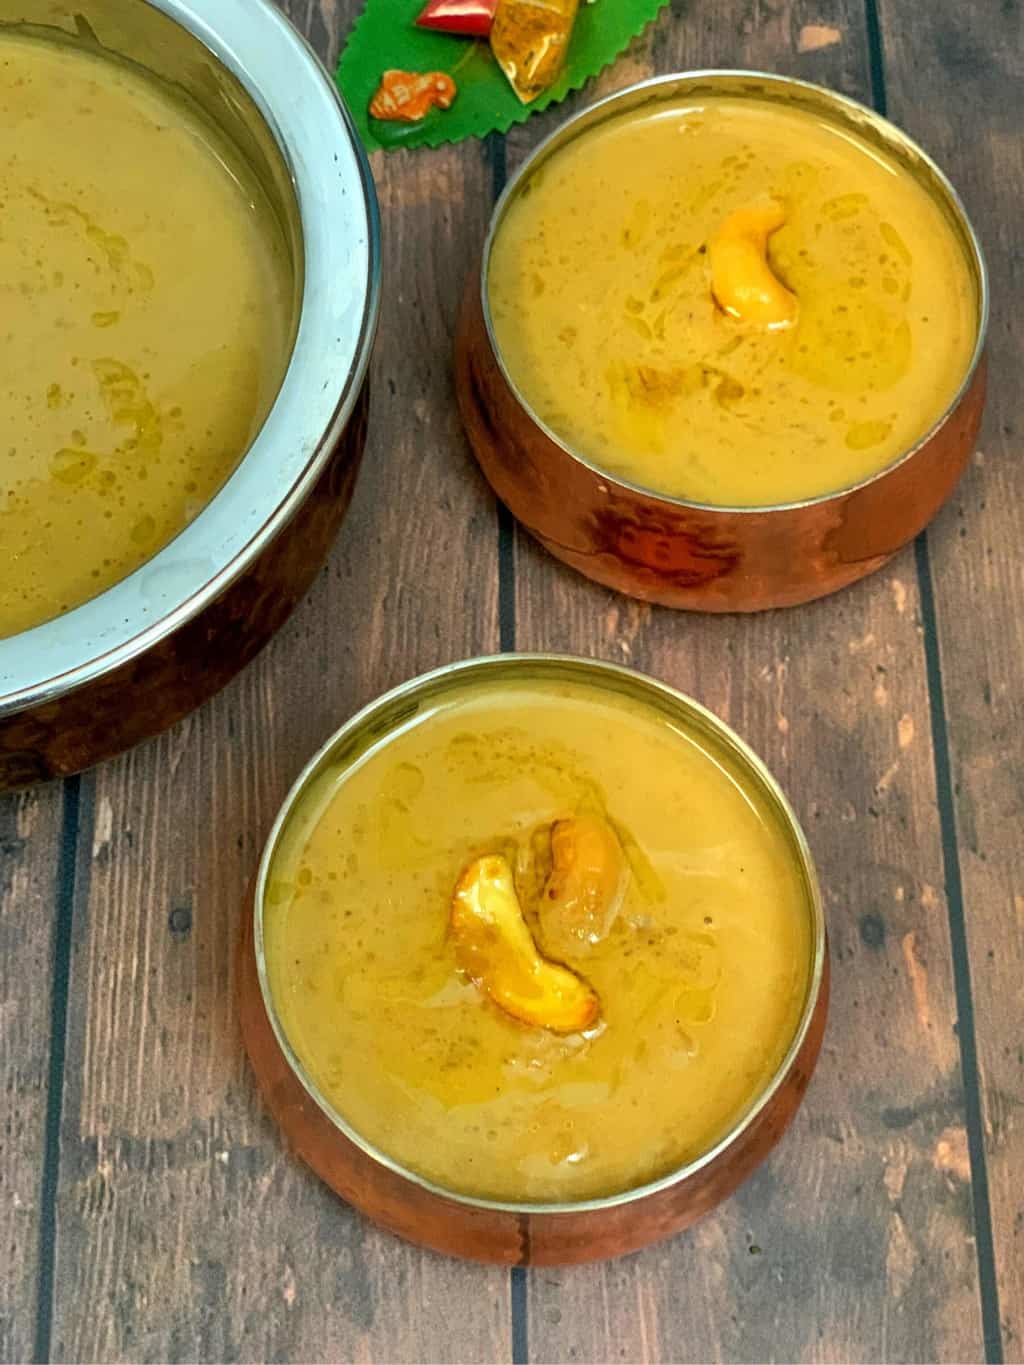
148	1210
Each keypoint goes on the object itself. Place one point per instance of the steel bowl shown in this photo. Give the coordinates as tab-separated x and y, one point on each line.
692	555
139	656
492	1230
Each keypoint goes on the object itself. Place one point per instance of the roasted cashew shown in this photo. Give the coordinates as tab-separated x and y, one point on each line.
494	947
742	281
583	894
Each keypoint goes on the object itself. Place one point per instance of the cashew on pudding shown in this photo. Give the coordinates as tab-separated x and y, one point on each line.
731	301
540	943
145	306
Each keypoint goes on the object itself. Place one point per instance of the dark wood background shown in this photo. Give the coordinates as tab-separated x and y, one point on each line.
148	1210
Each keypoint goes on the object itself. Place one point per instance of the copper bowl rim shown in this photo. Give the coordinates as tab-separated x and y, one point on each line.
641	685
329	173
853	112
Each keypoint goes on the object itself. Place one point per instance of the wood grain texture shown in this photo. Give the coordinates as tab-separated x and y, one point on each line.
855	1242
186	1230
954	82
30	842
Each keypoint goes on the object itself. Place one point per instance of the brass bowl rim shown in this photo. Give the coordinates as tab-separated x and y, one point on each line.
855	113
330	175
738	748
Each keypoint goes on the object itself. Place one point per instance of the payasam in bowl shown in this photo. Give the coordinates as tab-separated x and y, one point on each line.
188	296
724	350
538	969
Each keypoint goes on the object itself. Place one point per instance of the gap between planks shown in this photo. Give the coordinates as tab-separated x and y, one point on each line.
988	1281
494	150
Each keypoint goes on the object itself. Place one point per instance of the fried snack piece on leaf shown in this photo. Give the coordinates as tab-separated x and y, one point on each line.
494	947
408	96
530	40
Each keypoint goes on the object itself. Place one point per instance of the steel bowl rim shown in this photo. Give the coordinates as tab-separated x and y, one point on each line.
194	17
739	748
604	107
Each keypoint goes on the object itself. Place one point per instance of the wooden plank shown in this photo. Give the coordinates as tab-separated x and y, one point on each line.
30	844
186	1230
954	82
856	1240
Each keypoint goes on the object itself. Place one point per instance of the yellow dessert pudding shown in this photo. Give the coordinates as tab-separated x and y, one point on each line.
731	301
146	297
542	941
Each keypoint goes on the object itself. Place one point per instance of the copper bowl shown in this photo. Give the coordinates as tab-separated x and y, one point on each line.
141	655
491	1230
685	554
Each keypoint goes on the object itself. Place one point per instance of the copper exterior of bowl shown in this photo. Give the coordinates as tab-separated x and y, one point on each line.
493	1231
687	555
138	657
456	1228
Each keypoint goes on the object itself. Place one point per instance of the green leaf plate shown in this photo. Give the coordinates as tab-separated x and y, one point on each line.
386	36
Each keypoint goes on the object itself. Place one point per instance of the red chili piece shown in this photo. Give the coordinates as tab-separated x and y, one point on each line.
473	18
